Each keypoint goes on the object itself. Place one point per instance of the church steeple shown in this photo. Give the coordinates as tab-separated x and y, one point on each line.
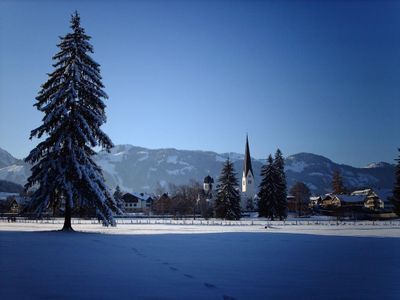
247	160
248	184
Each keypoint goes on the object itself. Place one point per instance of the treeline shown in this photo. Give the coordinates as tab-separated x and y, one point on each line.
189	199
183	200
10	187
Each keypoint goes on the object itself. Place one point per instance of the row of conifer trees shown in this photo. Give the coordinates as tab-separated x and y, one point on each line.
271	196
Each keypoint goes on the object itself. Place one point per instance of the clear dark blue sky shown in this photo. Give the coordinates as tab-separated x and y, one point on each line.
321	77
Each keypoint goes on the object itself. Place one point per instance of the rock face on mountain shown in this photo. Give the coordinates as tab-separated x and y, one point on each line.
145	170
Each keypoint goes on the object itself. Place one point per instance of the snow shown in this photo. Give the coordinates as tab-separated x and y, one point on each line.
6	158
15	173
144	155
116	157
311	186
348	173
163	183
227	262
108	166
172	159
119	153
384	194
316	174
376	165
297	166
233	156
361	192
352	198
13	168
219	158
181	171
5	195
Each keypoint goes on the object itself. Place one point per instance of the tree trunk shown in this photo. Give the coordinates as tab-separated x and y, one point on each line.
67	218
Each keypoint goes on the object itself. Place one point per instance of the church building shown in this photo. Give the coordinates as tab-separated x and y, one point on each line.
248	183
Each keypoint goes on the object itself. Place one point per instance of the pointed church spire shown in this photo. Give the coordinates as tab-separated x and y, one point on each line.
247	159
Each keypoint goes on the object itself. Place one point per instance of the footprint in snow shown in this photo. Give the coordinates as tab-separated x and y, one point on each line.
209	285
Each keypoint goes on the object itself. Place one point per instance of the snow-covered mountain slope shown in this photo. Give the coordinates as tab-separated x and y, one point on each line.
13	169
140	169
316	171
6	159
146	170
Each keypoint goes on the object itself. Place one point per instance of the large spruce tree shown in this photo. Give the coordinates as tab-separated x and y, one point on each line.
281	187
227	202
268	201
64	173
396	189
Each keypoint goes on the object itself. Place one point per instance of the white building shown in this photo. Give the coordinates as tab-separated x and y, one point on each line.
135	202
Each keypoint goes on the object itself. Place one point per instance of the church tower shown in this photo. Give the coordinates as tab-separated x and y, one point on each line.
248	184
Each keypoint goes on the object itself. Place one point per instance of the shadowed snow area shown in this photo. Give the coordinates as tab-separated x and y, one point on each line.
225	265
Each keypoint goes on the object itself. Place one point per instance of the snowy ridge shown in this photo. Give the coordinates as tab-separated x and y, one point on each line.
374	165
137	169
6	159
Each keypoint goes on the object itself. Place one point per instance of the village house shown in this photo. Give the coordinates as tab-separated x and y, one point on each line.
13	203
329	201
291	202
358	199
136	202
374	200
315	201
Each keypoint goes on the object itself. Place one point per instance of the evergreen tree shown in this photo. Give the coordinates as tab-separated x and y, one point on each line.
337	183
227	202
250	204
268	201
396	189
71	99
301	194
281	187
118	198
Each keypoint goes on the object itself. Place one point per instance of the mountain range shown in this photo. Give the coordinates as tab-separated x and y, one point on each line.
147	170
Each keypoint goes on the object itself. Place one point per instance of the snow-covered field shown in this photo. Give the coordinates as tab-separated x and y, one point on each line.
167	261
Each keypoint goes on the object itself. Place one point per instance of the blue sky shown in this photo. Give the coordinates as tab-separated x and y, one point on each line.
320	77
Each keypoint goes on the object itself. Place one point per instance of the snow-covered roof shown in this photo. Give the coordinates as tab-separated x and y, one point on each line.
139	196
351	198
142	196
365	192
384	194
